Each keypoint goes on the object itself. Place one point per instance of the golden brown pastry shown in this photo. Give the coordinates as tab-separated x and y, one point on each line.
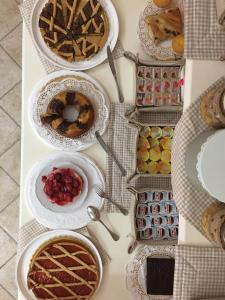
165	25
54	115
162	3
63	269
178	44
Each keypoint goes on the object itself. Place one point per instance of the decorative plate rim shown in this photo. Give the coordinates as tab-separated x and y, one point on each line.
43	133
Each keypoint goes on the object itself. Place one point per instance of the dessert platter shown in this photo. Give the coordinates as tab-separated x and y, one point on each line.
161	29
151	272
59	264
74	34
60	188
66	108
154	150
64	190
157	218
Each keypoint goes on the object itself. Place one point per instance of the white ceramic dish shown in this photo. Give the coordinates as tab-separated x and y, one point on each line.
162	51
60	62
53	83
71	216
44	199
26	256
211	165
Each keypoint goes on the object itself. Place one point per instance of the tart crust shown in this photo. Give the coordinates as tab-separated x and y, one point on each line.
63	268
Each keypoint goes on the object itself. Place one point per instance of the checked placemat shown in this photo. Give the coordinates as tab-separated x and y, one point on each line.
204	37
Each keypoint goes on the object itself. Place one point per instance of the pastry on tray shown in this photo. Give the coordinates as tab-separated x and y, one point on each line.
154	151
75	30
63	268
54	115
165	25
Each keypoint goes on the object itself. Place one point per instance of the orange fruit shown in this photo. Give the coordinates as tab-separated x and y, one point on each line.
162	3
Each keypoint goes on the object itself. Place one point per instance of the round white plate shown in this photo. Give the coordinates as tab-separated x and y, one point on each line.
211	165
73	216
84	65
137	271
44	199
52	84
27	254
163	50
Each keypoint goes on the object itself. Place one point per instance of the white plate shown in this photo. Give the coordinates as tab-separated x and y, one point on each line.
44	199
84	65
163	50
211	165
51	85
26	256
74	216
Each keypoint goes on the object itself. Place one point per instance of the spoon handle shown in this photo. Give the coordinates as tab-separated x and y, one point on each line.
123	210
113	235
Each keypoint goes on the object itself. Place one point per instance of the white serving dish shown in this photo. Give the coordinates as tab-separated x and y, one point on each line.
83	65
48	87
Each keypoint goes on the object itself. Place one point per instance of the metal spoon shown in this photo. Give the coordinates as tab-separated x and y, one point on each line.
100	192
95	216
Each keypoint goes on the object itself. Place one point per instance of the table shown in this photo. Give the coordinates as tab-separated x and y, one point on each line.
34	149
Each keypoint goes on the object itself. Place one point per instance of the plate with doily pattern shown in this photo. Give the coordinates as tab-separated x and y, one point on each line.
58	82
163	50
136	271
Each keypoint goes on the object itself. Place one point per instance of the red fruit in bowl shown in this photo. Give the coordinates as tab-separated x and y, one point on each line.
62	186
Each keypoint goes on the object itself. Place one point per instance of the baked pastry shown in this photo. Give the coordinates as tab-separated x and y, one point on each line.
178	44
162	3
165	25
54	115
75	30
63	269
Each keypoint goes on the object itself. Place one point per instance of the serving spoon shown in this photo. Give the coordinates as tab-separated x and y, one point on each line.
94	214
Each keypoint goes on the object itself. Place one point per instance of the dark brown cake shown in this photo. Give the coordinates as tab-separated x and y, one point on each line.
160	276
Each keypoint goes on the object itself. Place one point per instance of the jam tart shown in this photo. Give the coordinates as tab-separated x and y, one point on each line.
63	269
75	30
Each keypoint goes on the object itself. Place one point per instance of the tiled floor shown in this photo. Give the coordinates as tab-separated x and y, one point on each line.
10	119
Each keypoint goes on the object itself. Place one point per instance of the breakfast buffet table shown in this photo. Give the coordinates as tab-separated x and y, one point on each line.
198	76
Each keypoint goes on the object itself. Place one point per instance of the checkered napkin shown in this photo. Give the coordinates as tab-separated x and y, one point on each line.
26	9
191	202
204	37
32	229
199	273
121	140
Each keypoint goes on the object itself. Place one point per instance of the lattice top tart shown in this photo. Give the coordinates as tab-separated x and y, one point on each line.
63	269
75	30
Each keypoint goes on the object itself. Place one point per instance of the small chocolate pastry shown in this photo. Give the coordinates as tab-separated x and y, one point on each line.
160	276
